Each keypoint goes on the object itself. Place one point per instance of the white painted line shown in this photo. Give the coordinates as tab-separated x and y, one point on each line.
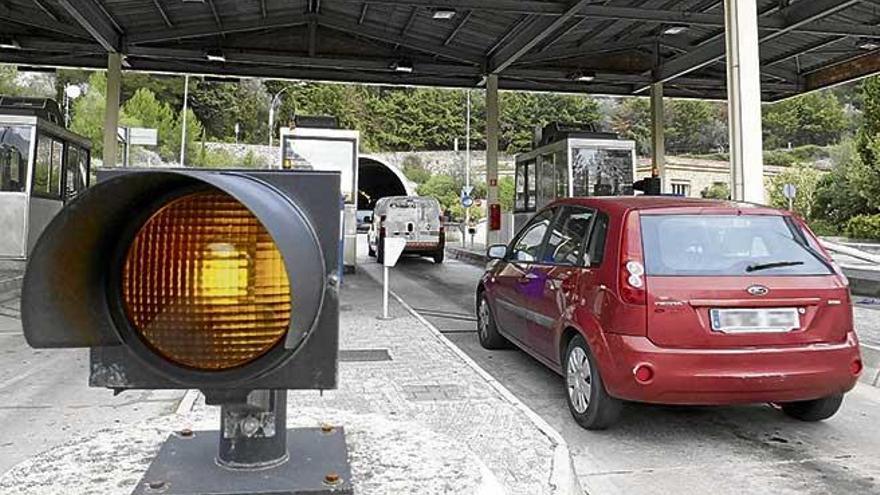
562	476
188	401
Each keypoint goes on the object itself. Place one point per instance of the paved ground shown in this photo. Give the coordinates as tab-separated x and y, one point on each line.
44	397
867	313
666	450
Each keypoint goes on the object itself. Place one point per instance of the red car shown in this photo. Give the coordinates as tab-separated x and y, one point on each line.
674	301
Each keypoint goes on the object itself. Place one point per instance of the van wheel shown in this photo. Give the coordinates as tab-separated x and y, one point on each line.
813	410
587	398
438	256
370	251
487	330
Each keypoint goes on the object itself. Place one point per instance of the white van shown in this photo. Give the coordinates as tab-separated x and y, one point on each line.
418	219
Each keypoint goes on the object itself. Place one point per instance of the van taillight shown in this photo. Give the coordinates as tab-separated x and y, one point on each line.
442	227
632	262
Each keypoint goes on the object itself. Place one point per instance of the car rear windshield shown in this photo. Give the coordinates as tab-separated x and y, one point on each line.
727	245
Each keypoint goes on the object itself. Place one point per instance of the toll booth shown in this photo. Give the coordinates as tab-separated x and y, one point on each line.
570	161
316	143
42	167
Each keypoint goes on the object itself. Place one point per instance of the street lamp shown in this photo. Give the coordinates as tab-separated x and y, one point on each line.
71	92
273	104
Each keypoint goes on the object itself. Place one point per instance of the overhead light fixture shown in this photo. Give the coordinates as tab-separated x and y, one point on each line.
674	30
870	45
215	56
405	66
581	76
444	14
9	44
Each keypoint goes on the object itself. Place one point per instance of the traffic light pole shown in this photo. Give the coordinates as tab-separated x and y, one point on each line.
253	435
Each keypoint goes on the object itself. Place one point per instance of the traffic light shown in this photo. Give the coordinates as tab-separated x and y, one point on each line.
222	281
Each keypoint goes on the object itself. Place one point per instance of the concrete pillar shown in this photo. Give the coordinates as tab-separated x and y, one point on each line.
493	236
744	100
658	135
111	111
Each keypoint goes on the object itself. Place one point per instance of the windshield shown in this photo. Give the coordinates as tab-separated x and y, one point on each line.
707	245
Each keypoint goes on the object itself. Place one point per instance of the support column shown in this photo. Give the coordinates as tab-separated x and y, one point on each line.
111	110
492	236
744	100
658	135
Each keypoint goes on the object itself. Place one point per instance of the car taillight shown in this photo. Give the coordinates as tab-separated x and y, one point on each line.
442	227
632	267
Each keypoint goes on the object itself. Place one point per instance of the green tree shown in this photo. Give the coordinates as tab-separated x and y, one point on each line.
143	109
718	190
695	126
87	113
806	179
815	118
415	171
631	119
506	193
194	130
522	112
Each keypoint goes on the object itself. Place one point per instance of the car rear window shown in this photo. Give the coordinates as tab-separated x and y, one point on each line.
727	245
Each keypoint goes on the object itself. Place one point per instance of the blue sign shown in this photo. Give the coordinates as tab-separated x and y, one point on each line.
467	201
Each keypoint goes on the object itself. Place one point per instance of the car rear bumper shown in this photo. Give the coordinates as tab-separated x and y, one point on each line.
729	376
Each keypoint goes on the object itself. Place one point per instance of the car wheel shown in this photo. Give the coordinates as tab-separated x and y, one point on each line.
370	251
813	410
438	256
590	404
487	330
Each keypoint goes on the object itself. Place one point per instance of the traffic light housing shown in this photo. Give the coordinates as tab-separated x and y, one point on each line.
224	281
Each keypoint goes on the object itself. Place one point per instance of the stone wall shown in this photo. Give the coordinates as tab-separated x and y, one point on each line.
696	174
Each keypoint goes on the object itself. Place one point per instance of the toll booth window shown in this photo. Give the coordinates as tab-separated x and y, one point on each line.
602	172
561	174
47	169
75	172
532	186
520	204
15	144
548	179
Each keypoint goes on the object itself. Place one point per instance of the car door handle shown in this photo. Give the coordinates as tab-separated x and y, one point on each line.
528	278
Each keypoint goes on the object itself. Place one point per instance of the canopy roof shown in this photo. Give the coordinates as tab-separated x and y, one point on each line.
616	47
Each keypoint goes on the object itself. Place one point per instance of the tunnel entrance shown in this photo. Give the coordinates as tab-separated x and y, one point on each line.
375	181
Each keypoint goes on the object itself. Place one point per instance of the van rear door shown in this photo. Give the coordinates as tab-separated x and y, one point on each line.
730	278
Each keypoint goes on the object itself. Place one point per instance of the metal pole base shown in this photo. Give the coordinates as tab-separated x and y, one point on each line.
186	465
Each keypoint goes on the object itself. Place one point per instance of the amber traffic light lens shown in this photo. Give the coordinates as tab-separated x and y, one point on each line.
205	285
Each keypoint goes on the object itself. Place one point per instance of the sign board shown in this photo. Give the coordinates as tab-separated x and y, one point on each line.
141	136
392	250
466	190
789	191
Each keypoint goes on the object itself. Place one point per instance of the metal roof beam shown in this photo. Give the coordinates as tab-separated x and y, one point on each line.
209	29
794	17
344	24
42	6
856	68
457	28
532	34
216	14
95	20
163	13
36	21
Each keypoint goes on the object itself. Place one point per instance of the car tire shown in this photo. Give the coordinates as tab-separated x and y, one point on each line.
590	404
813	410
438	256
370	251
487	329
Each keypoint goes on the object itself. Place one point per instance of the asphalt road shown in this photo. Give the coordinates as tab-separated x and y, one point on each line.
664	450
45	399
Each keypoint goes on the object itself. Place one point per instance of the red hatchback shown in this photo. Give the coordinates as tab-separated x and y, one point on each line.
674	301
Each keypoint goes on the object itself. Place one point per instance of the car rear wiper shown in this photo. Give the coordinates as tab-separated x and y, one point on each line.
775	264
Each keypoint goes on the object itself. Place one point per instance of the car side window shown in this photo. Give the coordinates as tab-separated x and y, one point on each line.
567	239
528	245
596	248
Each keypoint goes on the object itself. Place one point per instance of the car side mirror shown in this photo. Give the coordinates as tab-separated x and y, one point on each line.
497	252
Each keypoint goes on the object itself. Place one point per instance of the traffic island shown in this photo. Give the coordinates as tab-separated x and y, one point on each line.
418	419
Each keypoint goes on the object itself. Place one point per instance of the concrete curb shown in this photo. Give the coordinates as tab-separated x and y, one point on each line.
562	477
187	402
468	256
871	359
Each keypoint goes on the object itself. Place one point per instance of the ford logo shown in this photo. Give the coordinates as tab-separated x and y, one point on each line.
758	290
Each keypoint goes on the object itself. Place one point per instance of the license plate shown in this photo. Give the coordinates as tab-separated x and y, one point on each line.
763	320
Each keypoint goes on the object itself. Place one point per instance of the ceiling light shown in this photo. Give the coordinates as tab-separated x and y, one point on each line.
444	14
581	76
674	30
402	66
870	45
9	44
215	56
